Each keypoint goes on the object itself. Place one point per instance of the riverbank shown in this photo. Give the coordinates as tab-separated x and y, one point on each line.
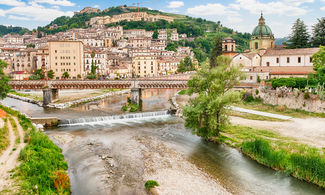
295	147
68	98
33	164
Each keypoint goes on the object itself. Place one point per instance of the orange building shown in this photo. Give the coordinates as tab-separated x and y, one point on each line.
229	47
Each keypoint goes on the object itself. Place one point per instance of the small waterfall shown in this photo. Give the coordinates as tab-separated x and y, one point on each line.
115	118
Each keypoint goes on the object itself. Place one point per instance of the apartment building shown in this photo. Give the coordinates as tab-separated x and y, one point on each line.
24	60
145	66
67	56
99	59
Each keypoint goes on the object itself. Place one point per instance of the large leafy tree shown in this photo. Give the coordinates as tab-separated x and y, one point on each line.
207	113
50	74
319	58
319	33
186	65
299	37
4	81
216	51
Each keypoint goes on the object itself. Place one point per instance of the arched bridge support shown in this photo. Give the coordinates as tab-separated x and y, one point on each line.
50	95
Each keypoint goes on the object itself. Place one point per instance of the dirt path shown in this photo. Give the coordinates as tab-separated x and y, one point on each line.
9	158
310	130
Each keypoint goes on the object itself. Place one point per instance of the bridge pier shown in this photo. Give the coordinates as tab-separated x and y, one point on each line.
50	95
136	96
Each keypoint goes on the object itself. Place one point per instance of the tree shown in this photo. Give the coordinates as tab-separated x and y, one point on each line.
30	45
207	113
50	74
216	52
155	34
4	81
186	65
38	74
65	75
172	46
93	65
319	58
299	37
319	33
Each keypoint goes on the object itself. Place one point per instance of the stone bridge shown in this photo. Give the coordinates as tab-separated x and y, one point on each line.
51	87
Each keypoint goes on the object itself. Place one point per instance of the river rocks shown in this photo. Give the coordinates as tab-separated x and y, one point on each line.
178	108
25	99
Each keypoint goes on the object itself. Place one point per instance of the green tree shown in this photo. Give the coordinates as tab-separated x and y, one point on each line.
155	34
38	74
4	81
65	75
319	58
172	46
186	65
30	45
319	33
50	74
93	65
299	37
207	113
216	52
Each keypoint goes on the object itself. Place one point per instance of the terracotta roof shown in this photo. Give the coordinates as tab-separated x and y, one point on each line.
281	52
249	55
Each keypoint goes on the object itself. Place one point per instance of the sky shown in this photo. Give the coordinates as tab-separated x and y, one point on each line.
241	15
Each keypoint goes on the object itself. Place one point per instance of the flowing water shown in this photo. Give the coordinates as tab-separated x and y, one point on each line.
104	150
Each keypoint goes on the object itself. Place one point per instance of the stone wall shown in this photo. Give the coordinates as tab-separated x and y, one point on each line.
292	99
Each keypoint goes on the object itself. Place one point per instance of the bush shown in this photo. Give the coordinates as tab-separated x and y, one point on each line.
91	76
150	184
182	92
299	83
306	95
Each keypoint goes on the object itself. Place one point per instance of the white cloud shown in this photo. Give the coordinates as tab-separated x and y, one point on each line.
175	4
96	6
18	17
322	8
37	12
12	2
286	7
2	12
56	2
215	9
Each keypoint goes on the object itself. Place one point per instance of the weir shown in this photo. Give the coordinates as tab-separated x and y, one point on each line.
114	118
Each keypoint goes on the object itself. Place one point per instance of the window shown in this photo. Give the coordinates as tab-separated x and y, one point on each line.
267	63
288	60
54	51
251	77
299	59
226	47
310	59
277	60
232	48
256	45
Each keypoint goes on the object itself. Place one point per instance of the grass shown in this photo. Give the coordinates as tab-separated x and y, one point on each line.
255	117
183	92
4	137
282	110
34	97
275	151
14	127
150	184
43	168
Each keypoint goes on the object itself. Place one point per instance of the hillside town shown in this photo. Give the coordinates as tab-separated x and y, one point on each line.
120	53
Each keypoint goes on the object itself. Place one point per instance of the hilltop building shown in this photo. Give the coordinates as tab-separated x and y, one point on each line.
229	47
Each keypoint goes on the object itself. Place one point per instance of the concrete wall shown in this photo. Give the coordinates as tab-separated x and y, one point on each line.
290	99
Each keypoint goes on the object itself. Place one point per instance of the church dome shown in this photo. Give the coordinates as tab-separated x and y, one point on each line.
262	29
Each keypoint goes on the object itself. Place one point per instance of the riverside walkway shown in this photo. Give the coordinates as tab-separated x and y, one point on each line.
244	110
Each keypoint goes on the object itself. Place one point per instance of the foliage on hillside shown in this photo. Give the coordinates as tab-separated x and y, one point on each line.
12	30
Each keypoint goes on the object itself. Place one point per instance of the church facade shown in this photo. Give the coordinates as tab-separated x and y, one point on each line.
266	61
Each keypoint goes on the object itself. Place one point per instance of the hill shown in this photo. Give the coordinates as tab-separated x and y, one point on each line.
12	30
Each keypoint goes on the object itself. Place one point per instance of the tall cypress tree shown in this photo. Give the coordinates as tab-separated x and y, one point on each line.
216	51
319	33
299	37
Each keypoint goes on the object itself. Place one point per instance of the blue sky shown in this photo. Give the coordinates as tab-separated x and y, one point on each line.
241	15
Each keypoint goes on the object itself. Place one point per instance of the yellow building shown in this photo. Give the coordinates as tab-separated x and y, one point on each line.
145	66
262	37
67	56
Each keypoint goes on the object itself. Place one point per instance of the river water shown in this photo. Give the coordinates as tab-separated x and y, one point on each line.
111	155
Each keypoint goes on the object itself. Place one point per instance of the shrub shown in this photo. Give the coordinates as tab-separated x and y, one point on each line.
182	92
150	184
306	96
299	83
257	92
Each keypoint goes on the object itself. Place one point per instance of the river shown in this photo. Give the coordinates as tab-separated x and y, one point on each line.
115	155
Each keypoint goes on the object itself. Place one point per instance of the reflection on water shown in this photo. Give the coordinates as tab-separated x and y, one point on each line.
153	99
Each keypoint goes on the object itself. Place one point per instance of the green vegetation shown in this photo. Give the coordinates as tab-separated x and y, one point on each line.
299	37
319	33
38	74
207	113
4	81
65	75
216	51
131	107
150	184
299	83
183	92
50	74
12	30
319	59
30	45
4	140
186	65
43	168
